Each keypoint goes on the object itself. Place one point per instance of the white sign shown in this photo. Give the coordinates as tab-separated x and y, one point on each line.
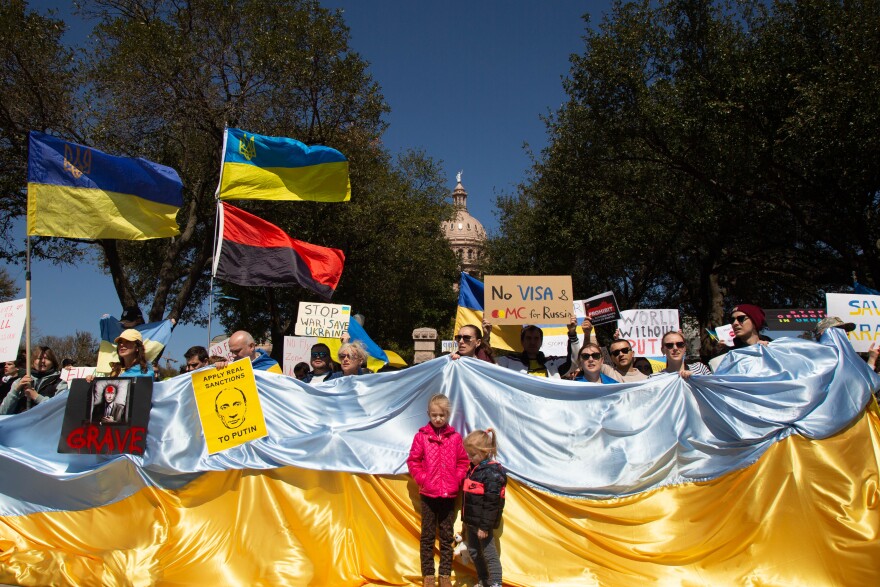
12	315
448	346
324	320
77	373
297	349
221	349
725	334
644	329
861	310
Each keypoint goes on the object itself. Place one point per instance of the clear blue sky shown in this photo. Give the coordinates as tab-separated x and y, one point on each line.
466	82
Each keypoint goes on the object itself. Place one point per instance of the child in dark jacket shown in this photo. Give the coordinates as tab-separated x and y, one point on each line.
438	463
483	504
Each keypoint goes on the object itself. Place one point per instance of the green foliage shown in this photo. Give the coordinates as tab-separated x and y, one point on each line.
82	347
36	84
709	153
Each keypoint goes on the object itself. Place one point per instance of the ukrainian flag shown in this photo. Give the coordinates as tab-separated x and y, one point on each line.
76	191
767	473
257	167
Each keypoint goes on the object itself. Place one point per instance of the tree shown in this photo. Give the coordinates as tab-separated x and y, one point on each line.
8	288
689	165
82	347
37	82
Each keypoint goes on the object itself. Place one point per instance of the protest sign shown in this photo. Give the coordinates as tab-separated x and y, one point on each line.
12	315
108	415
861	310
229	406
644	329
448	347
523	299
324	320
725	334
794	319
297	349
76	373
221	349
600	309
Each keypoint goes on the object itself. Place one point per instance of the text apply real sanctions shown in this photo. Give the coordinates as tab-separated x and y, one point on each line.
229	406
528	299
322	320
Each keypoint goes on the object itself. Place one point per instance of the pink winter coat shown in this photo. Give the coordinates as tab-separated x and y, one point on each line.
437	461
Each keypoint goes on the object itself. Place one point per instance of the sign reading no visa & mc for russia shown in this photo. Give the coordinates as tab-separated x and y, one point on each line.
528	299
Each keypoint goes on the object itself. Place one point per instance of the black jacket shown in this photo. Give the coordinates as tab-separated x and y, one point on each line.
483	497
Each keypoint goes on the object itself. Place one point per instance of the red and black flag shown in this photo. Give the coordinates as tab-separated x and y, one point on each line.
255	252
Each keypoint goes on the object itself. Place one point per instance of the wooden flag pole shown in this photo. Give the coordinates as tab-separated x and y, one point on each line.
27	295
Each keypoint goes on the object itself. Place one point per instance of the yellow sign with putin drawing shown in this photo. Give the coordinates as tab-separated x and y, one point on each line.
229	406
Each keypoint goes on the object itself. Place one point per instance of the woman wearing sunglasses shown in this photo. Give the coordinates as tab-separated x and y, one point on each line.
674	347
471	344
589	360
352	357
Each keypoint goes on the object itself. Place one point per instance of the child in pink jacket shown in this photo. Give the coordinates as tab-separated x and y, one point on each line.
438	463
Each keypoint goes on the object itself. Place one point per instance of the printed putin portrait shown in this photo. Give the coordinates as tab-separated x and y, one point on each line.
109	402
231	407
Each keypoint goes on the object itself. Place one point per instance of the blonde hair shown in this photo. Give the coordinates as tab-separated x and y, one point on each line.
440	400
355	348
482	442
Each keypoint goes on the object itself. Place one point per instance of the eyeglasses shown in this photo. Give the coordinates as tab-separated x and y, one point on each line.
464	337
320	355
739	319
674	345
616	352
594	356
344	356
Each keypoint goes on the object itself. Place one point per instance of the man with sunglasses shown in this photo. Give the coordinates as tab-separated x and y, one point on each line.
624	361
748	321
321	364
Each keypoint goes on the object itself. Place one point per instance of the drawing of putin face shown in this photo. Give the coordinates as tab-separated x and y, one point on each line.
231	407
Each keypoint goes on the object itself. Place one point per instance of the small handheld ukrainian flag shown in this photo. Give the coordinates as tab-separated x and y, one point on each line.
257	167
76	191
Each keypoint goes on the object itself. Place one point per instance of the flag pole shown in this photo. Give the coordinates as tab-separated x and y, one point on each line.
217	229
27	295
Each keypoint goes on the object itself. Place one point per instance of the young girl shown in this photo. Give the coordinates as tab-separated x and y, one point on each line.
483	503
438	463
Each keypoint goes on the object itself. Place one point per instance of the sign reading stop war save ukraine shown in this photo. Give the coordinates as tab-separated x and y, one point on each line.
510	299
323	320
861	310
229	406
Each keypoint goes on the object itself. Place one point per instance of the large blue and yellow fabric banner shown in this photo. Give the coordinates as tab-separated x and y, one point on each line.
259	167
765	474
76	191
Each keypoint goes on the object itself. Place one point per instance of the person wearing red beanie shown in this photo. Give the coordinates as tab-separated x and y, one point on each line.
748	320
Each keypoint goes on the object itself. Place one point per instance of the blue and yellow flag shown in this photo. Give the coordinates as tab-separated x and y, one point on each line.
76	191
257	167
765	473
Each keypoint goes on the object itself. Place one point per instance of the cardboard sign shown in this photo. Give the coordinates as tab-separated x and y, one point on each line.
324	320
794	320
229	406
528	299
108	415
221	349
600	309
12	316
644	329
863	311
70	373
297	349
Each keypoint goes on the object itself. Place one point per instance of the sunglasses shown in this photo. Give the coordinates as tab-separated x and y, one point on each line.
320	355
616	352
464	337
739	319
344	356
594	356
674	345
